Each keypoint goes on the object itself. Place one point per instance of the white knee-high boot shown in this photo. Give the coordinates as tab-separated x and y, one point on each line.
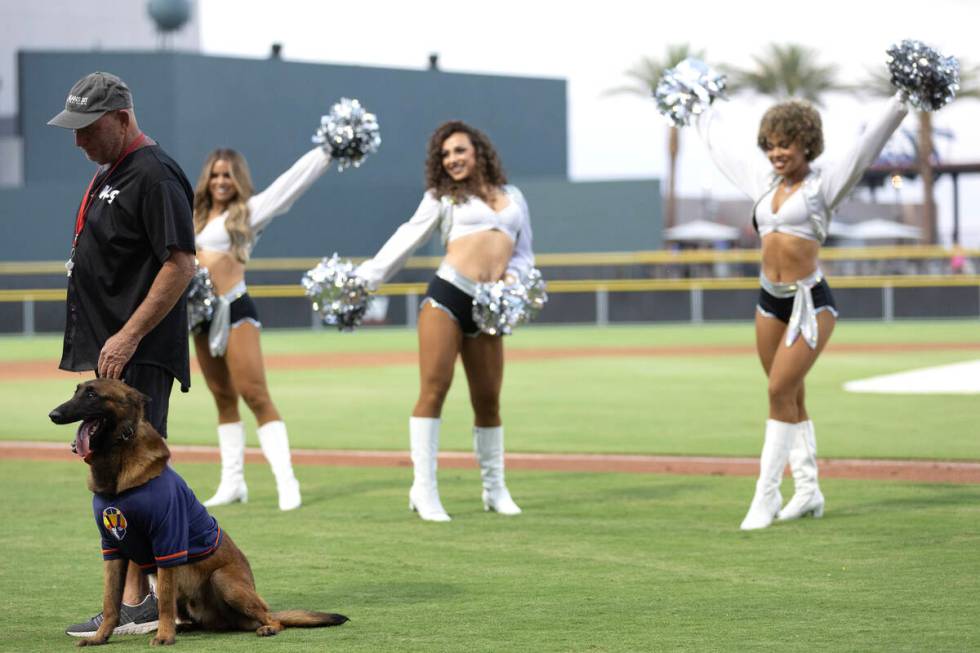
231	443
275	445
488	443
807	498
423	497
772	462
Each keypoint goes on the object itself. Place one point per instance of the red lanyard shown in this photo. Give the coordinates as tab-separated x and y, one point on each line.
83	209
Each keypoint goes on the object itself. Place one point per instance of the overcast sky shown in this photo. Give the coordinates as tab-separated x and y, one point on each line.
591	44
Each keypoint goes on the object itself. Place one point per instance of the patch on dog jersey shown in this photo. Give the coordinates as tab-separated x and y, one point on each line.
114	522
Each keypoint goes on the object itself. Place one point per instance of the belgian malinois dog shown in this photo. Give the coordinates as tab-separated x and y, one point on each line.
211	586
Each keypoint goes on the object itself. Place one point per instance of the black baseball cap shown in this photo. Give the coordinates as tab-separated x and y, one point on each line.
92	97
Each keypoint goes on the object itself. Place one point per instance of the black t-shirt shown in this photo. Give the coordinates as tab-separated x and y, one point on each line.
136	213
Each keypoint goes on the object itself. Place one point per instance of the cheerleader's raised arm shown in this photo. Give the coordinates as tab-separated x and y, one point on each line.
838	178
743	165
282	193
275	200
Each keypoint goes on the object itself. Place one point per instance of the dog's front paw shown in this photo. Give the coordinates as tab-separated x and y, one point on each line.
92	641
163	641
267	631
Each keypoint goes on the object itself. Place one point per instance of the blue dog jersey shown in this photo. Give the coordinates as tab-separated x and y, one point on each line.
158	524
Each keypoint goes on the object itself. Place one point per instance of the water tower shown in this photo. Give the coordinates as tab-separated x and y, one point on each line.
169	16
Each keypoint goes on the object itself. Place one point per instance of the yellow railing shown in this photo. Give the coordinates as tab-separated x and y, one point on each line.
33	294
584	286
582	259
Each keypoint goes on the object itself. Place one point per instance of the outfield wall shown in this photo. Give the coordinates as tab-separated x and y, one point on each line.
588	287
280	302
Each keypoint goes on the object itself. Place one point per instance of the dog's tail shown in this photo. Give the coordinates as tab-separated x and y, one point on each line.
307	618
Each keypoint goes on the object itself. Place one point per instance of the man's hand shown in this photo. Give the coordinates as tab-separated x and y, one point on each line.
167	287
115	354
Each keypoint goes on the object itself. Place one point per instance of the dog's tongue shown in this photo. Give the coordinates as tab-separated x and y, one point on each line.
81	438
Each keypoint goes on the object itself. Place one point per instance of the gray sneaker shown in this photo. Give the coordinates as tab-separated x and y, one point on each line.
133	620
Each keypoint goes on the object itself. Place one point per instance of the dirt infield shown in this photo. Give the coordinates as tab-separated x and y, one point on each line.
897	470
48	369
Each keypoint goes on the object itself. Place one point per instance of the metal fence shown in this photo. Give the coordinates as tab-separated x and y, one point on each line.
601	288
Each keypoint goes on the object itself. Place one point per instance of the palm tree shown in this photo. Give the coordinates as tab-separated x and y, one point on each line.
969	89
879	83
646	75
786	71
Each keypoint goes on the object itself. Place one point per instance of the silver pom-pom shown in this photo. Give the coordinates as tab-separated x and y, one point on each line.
349	132
497	307
200	299
338	295
926	77
687	89
500	306
537	296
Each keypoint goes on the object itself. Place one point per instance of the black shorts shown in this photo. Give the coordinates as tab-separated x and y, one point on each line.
156	383
239	310
242	309
455	302
782	307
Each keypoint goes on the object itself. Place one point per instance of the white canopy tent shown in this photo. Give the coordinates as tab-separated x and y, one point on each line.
841	230
701	231
880	229
874	229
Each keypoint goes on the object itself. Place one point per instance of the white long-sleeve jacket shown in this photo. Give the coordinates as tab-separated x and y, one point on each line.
275	200
805	214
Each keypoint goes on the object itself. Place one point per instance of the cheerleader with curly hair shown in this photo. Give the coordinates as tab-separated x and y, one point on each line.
486	229
795	197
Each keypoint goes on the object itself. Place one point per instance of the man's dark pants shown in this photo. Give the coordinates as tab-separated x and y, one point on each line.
156	383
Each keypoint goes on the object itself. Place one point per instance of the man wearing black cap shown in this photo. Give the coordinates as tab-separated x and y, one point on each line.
132	257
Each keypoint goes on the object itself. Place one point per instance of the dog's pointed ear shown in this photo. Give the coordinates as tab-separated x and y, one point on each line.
136	399
140	399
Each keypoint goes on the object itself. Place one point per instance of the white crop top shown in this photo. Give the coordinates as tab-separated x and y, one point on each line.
795	216
805	213
275	200
466	218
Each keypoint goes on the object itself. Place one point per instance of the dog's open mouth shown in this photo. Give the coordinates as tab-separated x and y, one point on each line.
83	437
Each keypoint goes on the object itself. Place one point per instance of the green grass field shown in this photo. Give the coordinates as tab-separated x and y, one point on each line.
697	404
598	562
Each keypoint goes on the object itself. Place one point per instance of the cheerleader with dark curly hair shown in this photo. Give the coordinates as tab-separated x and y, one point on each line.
794	200
486	229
